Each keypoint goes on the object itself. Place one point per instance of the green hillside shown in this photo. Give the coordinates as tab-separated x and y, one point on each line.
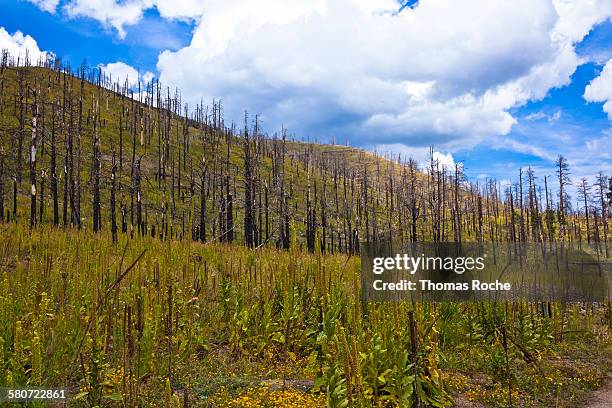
153	258
174	158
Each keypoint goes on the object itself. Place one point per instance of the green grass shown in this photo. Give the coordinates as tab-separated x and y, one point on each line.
149	321
183	208
218	319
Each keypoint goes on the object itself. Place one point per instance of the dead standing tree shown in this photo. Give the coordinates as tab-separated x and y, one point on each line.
249	187
203	198
113	199
54	165
602	185
20	136
96	167
33	147
563	174
584	191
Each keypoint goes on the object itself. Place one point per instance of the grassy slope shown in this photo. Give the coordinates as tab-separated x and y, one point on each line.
111	106
228	337
230	309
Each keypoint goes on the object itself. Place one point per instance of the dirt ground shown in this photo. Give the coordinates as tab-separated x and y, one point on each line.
601	398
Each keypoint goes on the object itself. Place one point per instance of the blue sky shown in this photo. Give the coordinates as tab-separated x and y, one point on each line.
86	39
496	87
562	112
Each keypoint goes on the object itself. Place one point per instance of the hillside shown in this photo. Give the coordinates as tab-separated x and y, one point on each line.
152	257
201	178
171	162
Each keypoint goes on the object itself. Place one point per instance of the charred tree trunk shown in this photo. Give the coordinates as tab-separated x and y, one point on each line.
20	137
54	167
95	167
41	196
78	146
137	176
203	194
1	186
229	202
113	199
249	213
33	147
602	184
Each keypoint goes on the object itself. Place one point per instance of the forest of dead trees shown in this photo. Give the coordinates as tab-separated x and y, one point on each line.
78	149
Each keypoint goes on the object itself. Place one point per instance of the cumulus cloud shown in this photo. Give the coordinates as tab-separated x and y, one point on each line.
19	46
119	14
179	9
108	12
421	154
600	89
441	72
444	72
122	72
46	5
444	160
578	17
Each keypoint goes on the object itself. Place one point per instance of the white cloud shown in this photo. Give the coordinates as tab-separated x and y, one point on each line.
555	116
119	14
147	77
539	115
181	9
599	148
578	17
109	12
529	148
46	5
122	72
536	116
600	89
19	45
444	160
421	155
445	72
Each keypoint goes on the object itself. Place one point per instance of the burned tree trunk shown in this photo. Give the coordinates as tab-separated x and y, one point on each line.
203	194
283	240
602	184
1	185
414	208
564	181
20	137
54	168
113	199
33	146
95	167
584	191
43	173
75	216
456	209
229	201
230	217
78	146
121	140
249	196
137	176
